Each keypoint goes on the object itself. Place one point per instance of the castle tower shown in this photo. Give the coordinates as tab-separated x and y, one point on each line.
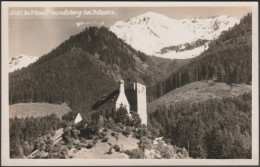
141	102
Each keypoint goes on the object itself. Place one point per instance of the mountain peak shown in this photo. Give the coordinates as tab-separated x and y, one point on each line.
151	32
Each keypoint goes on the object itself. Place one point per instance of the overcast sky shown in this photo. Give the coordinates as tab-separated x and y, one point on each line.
37	35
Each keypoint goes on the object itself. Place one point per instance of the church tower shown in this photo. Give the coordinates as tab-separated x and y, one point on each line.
141	102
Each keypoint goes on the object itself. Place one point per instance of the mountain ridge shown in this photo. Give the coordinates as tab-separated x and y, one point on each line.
151	32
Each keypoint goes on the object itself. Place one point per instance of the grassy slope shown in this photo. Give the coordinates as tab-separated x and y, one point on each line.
37	109
198	92
100	150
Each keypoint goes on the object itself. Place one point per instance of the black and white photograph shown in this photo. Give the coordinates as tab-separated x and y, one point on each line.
130	83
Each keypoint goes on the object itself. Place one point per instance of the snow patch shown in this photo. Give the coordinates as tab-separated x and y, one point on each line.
150	32
20	61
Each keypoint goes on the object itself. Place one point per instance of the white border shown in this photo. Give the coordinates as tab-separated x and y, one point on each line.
96	162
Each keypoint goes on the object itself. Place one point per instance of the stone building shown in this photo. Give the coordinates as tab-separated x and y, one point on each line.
132	98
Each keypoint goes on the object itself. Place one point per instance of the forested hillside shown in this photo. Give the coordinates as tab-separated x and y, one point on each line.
228	59
215	128
27	134
73	78
84	68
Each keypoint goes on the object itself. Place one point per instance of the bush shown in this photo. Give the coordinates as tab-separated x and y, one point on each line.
144	143
89	146
135	120
113	134
117	148
91	130
94	141
83	142
127	131
134	154
105	139
111	124
118	129
102	135
142	131
105	130
121	127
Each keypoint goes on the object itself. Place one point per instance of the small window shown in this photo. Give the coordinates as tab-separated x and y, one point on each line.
106	113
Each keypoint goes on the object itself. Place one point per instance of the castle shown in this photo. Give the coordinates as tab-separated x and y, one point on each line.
132	98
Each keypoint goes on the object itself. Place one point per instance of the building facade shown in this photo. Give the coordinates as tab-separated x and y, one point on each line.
132	98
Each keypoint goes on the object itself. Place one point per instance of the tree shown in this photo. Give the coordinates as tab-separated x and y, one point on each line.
144	144
135	120
121	116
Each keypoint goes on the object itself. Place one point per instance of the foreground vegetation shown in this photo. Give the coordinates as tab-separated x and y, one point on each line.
28	134
86	135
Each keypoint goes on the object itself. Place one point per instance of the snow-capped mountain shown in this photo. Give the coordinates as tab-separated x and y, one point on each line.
159	35
20	61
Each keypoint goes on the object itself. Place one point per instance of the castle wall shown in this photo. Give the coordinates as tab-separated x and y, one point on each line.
107	110
141	102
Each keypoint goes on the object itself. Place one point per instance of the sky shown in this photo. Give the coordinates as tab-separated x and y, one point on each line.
33	34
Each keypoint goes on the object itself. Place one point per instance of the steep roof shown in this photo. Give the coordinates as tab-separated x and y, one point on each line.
108	99
78	118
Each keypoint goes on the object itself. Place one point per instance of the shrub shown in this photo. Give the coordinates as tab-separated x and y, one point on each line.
111	124
105	130
144	143
75	133
113	134
94	141
91	130
89	146
142	131
102	135
135	120
134	154
53	133
127	131
121	127
76	142
118	129
117	148
105	139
